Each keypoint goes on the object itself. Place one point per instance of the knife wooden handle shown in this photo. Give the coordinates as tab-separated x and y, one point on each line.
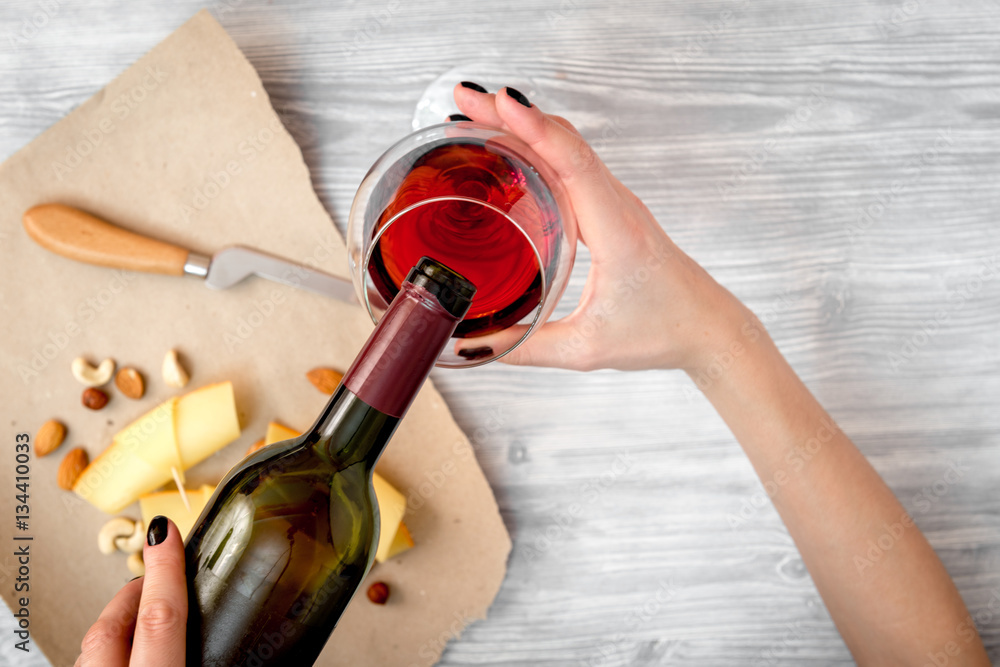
72	233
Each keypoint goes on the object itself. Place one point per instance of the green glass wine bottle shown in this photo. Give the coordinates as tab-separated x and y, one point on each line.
291	531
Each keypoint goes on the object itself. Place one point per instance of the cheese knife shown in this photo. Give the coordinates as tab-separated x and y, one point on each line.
72	233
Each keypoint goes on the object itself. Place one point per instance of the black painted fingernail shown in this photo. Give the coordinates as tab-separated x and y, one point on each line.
473	86
134	578
457	116
518	95
157	530
476	352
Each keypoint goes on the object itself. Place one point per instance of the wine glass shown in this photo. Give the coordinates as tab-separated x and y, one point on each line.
480	201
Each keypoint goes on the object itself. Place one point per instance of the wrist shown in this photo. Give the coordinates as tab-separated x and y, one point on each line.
736	339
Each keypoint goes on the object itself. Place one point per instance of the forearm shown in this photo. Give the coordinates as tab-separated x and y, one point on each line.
886	590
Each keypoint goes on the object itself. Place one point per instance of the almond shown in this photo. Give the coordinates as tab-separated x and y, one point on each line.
94	398
325	379
254	447
49	437
129	382
72	466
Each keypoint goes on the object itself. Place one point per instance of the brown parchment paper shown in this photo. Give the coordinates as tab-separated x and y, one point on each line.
185	146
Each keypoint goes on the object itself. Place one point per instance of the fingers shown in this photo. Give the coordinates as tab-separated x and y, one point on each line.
554	138
109	640
161	622
478	106
588	183
565	123
481	107
563	149
591	187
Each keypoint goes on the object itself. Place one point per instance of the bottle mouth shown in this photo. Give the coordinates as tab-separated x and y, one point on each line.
452	290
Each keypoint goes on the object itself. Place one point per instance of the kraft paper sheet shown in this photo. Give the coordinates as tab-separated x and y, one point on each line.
185	146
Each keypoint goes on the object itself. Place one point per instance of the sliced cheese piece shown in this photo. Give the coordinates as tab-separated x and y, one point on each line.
206	422
276	433
170	505
140	457
139	460
153	439
391	507
116	478
402	542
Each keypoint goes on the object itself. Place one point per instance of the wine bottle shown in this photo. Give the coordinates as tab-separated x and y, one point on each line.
291	531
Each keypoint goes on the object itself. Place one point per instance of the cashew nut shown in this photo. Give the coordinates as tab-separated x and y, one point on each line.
90	376
173	373
133	543
135	564
118	527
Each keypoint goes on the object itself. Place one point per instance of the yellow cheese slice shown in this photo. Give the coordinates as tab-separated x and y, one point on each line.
401	542
153	439
141	455
170	505
391	507
206	422
276	433
116	478
138	461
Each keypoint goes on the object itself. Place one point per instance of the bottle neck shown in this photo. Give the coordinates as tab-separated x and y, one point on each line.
380	385
401	352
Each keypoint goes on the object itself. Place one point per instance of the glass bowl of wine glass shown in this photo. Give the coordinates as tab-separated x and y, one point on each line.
480	201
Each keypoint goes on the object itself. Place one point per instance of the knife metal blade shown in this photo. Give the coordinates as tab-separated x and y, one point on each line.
233	264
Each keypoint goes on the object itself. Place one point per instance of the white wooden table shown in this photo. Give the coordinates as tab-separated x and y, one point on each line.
836	165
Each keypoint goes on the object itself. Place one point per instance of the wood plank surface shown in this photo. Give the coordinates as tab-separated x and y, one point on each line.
836	165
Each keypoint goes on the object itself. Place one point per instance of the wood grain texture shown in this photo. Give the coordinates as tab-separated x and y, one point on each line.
836	165
77	235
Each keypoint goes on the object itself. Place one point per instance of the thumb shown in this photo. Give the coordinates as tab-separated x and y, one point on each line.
161	624
555	345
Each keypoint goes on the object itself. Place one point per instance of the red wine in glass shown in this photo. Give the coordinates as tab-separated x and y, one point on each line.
454	200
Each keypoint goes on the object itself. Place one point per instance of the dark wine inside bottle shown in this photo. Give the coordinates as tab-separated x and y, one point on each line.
291	531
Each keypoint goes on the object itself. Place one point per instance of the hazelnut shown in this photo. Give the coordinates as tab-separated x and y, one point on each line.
94	398
379	592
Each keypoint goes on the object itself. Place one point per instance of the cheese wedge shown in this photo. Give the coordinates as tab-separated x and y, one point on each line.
153	438
276	433
391	508
170	505
401	542
206	422
180	432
